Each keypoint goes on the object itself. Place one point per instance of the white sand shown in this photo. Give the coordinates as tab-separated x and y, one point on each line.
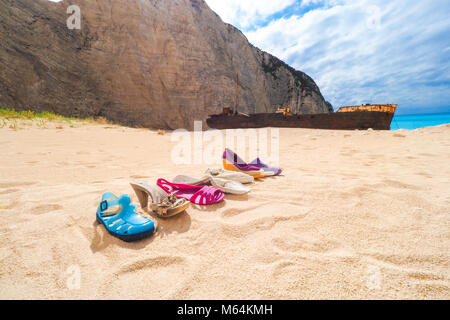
356	215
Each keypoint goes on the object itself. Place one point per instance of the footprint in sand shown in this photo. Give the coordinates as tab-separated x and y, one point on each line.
45	208
232	212
227	213
308	245
400	260
376	156
86	165
151	263
347	154
424	174
282	268
426	154
425	276
399	185
140	177
8	191
399	135
8	206
426	290
5	185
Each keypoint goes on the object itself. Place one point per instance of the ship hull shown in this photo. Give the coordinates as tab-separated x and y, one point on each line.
363	120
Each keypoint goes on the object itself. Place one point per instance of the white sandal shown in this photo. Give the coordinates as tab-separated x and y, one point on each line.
230	175
227	186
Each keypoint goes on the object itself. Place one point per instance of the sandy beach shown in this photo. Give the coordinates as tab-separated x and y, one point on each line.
355	215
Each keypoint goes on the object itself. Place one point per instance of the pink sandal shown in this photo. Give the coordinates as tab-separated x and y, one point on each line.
202	195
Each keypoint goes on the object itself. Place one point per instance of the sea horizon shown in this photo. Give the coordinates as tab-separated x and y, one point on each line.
419	120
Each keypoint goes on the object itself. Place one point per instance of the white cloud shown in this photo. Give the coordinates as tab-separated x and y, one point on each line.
246	13
378	51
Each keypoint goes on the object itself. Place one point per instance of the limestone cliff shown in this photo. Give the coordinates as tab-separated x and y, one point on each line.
152	63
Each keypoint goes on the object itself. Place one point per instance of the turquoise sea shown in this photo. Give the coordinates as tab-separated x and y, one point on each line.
415	121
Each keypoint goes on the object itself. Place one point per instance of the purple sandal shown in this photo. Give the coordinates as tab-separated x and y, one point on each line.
259	164
232	162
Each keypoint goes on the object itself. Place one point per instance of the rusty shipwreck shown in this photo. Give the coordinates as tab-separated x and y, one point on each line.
376	117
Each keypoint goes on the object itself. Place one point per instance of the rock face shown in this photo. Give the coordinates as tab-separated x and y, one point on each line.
150	63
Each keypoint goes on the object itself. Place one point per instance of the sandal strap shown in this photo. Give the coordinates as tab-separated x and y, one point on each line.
106	204
205	196
170	202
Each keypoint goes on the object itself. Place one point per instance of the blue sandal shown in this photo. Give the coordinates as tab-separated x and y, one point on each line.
119	217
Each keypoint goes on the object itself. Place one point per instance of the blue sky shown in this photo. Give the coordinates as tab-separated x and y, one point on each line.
365	51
